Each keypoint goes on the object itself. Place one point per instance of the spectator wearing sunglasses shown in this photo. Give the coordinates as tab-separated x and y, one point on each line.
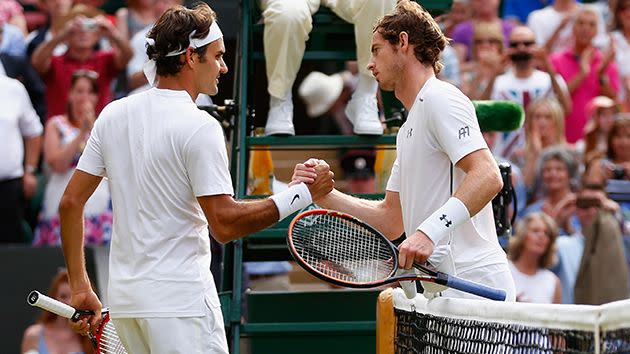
83	28
523	83
588	72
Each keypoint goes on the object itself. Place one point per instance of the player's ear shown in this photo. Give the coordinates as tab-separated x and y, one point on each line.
403	39
190	56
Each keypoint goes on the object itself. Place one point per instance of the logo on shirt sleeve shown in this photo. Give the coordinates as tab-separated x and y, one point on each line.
464	132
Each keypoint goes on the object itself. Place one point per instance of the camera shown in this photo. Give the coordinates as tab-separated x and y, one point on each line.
89	24
619	172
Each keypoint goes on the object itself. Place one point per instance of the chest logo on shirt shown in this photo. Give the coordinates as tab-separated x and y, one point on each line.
464	132
448	222
409	133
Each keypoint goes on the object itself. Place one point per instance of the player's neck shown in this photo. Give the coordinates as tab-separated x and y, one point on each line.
178	83
411	82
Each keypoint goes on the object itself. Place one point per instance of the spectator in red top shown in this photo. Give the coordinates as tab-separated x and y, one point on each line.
82	30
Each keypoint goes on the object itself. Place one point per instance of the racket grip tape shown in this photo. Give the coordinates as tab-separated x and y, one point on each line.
471	287
35	298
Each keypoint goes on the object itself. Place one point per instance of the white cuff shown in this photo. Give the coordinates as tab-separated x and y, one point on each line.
292	199
444	220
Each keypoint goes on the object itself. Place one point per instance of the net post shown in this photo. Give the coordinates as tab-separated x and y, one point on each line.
385	322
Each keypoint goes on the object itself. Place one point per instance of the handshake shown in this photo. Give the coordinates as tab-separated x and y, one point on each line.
317	176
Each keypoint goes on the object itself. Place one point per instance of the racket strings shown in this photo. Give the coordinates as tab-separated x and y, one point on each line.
342	249
109	342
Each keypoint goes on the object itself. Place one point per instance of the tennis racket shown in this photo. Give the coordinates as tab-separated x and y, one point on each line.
343	250
105	340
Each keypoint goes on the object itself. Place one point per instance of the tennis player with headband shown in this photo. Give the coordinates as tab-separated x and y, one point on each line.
444	176
167	168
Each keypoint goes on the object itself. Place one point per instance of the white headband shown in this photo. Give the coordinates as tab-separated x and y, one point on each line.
150	69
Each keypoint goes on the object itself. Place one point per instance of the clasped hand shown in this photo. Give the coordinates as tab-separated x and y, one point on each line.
316	174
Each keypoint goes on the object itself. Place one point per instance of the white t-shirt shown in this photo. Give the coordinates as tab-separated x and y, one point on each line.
159	152
442	128
538	288
18	120
522	91
545	21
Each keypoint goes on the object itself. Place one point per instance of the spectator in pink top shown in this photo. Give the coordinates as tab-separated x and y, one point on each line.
82	29
588	72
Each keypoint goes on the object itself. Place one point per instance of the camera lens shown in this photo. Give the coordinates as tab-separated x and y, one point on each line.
619	172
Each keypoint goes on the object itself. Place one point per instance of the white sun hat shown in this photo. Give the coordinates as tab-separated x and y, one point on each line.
319	91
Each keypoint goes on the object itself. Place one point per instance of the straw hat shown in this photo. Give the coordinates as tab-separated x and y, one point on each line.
319	91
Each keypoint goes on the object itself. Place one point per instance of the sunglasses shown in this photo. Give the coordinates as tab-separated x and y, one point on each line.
90	74
515	44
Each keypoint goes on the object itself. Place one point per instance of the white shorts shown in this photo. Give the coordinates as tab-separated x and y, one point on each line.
185	335
494	275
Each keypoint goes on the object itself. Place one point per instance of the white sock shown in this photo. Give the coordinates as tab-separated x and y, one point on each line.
366	87
274	101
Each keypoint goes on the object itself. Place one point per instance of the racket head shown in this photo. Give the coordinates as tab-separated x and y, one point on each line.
341	249
105	339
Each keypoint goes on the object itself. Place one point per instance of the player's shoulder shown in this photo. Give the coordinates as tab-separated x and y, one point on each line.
442	95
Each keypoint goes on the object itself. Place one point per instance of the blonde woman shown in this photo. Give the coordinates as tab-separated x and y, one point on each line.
544	127
531	252
487	59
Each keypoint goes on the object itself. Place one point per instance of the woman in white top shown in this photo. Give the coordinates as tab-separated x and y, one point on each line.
531	252
64	139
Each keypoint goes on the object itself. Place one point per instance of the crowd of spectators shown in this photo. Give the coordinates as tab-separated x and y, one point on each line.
566	62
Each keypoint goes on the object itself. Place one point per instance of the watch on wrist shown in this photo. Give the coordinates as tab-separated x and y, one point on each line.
29	169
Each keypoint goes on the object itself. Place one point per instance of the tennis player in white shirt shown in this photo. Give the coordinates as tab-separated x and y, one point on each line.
444	176
167	168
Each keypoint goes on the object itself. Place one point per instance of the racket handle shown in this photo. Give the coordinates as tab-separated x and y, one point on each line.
472	287
37	299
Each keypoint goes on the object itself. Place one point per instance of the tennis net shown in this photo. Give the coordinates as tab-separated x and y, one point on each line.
460	326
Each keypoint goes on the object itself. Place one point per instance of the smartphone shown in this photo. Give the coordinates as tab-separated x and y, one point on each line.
588	202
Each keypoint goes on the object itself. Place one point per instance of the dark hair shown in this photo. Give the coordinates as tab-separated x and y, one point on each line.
622	122
424	33
171	32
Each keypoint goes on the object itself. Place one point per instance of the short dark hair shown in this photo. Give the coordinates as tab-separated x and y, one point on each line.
171	32
424	33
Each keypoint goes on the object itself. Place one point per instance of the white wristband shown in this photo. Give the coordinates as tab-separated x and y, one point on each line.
444	220
292	199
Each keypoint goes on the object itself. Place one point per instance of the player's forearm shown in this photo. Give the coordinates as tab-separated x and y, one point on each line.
71	220
243	218
480	186
374	212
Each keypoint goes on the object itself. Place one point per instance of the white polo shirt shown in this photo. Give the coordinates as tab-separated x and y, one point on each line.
18	120
442	128
159	152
